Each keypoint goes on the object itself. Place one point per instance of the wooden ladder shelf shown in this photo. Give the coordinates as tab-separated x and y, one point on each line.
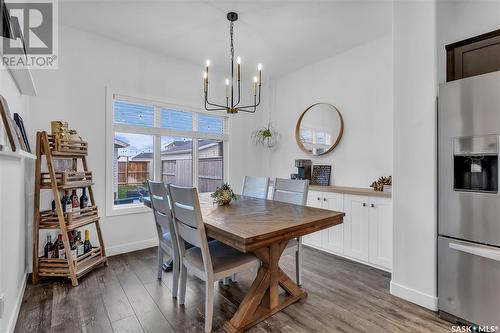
73	268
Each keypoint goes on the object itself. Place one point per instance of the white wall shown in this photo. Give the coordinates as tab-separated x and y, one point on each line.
16	207
359	83
414	190
458	20
76	93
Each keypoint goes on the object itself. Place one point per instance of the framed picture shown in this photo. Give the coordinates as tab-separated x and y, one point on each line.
9	125
321	175
24	137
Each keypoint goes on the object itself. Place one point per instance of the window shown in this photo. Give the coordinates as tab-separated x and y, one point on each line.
154	140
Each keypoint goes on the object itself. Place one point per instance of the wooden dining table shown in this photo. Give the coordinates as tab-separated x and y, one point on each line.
263	227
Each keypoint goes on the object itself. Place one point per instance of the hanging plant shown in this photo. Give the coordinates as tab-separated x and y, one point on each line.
266	136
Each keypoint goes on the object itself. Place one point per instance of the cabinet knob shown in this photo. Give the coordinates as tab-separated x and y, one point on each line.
364	204
319	198
372	205
324	199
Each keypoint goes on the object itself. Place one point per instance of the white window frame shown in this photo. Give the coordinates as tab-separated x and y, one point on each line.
157	133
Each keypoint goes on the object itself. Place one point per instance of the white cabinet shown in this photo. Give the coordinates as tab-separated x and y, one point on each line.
356	226
381	232
365	235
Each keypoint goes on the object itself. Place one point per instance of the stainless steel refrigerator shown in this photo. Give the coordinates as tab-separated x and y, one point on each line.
469	202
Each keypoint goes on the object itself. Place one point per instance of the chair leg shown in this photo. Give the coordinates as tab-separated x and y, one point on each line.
298	263
209	305
175	278
234	277
182	288
159	262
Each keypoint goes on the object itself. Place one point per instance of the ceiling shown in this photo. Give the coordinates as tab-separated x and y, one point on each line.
282	35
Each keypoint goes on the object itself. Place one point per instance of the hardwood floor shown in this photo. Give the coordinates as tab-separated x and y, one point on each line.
343	296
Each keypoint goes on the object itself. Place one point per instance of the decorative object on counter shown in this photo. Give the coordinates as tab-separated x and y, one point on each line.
223	195
319	129
321	175
10	128
387	188
73	135
20	125
379	184
266	136
303	169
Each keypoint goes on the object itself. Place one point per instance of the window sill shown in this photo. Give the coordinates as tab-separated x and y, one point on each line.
127	210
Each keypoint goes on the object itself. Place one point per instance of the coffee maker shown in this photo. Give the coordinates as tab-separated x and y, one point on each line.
303	169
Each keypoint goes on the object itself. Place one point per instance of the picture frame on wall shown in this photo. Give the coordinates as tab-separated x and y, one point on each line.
10	127
22	131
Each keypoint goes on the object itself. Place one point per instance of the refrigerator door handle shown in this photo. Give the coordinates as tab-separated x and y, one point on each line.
476	250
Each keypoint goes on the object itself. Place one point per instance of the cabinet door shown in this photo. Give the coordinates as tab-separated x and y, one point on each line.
333	238
314	199
381	232
356	226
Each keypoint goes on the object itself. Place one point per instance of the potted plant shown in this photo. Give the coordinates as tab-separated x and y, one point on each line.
266	136
223	195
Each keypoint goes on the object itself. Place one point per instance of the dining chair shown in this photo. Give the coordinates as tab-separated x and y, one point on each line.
209	261
167	241
256	187
293	191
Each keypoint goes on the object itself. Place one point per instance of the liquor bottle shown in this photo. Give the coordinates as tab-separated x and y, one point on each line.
79	244
61	253
87	247
72	244
48	250
84	200
66	203
74	200
53	205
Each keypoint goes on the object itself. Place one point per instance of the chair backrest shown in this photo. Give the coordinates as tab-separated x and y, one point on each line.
256	187
161	209
188	221
292	191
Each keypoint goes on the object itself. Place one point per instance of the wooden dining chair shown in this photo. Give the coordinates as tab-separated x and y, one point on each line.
293	191
209	261
256	187
167	240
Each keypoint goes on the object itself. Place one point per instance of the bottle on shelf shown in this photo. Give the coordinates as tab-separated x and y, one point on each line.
48	249
53	205
75	204
79	244
84	200
61	253
72	244
66	203
87	247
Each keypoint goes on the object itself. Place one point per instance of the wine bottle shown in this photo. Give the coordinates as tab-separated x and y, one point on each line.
72	244
79	244
87	247
48	250
61	253
53	205
66	203
74	200
84	200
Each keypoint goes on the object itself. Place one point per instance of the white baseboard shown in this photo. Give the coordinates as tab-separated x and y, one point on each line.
427	301
130	247
13	318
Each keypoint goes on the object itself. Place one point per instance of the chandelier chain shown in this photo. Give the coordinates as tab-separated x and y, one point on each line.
231	33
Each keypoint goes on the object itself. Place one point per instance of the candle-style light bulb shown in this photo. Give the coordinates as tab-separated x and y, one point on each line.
255	85
238	61
227	88
208	62
205	83
206	72
259	67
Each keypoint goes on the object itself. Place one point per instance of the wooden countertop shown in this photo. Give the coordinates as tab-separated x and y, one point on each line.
351	190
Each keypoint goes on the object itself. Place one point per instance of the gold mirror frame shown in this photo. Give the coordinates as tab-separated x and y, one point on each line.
297	130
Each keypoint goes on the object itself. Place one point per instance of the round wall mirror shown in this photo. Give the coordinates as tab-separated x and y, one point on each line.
319	129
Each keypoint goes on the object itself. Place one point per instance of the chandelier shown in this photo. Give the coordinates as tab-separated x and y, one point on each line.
233	102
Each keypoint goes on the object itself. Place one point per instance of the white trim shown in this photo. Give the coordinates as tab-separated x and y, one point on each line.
130	247
427	301
13	318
